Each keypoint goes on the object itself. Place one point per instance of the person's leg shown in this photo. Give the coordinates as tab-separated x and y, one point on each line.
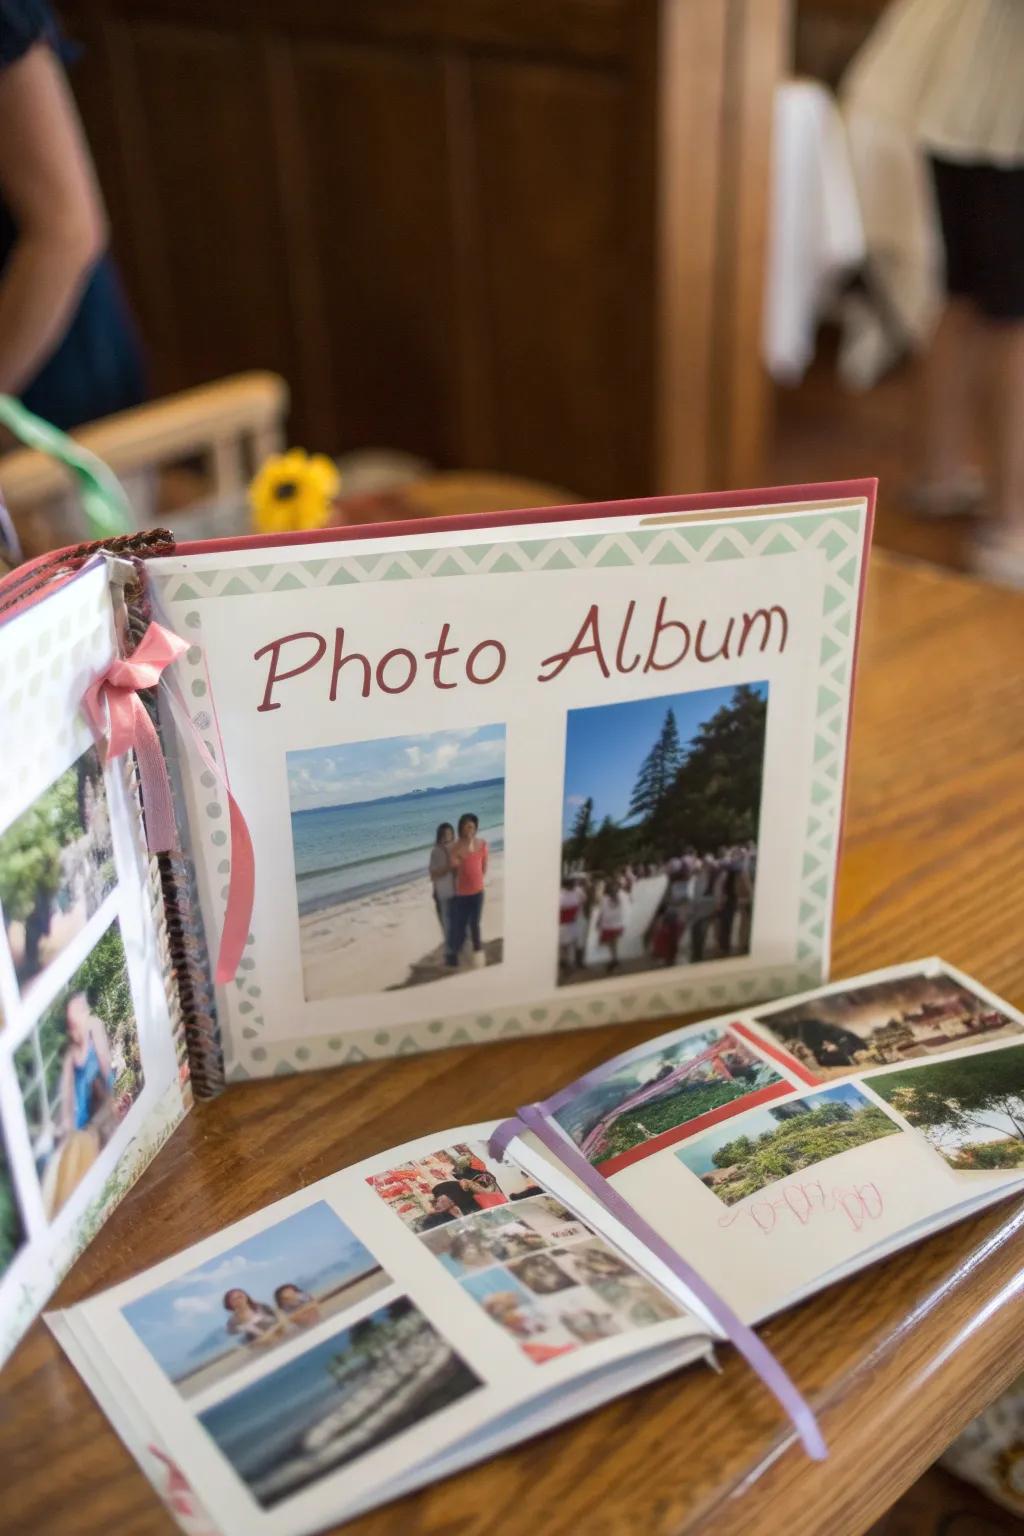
949	369
456	929
697	934
999	550
474	911
1008	424
949	375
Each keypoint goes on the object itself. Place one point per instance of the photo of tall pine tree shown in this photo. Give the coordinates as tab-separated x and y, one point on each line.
704	791
660	823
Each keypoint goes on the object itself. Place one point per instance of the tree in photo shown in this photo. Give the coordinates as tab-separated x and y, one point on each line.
716	794
802	1138
30	862
657	772
970	1108
12	1231
582	830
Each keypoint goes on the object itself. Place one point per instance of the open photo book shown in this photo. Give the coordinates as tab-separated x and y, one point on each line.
428	1307
298	801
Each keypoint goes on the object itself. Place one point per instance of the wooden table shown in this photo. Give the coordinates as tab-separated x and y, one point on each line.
896	1360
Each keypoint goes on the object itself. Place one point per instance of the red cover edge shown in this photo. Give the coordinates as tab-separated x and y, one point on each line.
652	506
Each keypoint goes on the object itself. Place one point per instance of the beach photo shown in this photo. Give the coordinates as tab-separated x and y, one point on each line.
399	856
660	1097
12	1227
884	1023
969	1108
80	1070
769	1144
660	820
444	1186
344	1397
56	867
265	1291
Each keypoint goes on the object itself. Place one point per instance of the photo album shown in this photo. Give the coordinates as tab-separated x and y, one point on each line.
291	802
430	1306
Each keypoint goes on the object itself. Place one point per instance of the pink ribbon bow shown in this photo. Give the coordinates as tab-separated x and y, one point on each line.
131	727
114	698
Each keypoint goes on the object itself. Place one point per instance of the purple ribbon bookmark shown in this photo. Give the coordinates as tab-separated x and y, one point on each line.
531	1117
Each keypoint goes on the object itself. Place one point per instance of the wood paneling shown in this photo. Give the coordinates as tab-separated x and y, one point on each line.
551	200
371	123
515	235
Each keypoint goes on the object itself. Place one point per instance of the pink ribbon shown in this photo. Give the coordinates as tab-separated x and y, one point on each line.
534	1117
124	725
130	726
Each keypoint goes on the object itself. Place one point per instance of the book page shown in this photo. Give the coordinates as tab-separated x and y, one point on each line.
394	1320
797	1141
92	1079
478	772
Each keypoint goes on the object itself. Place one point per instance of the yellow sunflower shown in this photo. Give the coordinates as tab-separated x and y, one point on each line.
293	491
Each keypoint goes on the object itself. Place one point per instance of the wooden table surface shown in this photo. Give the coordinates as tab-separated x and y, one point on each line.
896	1360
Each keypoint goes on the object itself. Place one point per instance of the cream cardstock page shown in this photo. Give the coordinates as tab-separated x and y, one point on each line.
319	983
256	1426
764	1217
79	936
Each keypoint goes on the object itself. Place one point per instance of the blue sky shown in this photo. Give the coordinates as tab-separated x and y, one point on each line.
176	1319
698	1153
605	746
394	765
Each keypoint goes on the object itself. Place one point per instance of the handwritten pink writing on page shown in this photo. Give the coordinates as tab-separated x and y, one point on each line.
803	1202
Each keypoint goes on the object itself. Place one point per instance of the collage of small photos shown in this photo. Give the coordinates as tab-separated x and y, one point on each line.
68	1030
919	1042
526	1261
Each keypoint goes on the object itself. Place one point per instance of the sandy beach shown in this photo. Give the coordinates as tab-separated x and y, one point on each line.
373	943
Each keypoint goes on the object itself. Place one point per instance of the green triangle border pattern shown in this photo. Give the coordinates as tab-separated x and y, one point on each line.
836	534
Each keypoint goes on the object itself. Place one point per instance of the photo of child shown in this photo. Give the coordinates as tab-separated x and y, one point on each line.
251	1298
661	807
399	853
449	1184
80	1070
56	867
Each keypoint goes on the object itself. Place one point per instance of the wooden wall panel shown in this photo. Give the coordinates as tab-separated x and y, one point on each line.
372	127
518	235
203	142
553	168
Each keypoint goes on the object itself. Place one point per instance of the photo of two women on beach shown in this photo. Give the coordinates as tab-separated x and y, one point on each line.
399	855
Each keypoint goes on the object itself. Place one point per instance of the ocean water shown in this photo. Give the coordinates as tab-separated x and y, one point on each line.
343	852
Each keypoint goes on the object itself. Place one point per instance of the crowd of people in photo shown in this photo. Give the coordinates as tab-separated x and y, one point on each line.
704	911
458	872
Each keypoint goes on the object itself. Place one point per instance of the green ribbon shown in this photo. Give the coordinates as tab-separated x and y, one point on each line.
104	502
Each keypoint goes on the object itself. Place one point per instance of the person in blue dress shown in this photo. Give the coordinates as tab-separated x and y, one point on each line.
68	347
87	1075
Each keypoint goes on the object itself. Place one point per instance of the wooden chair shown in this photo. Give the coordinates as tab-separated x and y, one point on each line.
227	428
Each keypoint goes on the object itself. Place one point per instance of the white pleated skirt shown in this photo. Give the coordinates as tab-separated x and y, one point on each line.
951	72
